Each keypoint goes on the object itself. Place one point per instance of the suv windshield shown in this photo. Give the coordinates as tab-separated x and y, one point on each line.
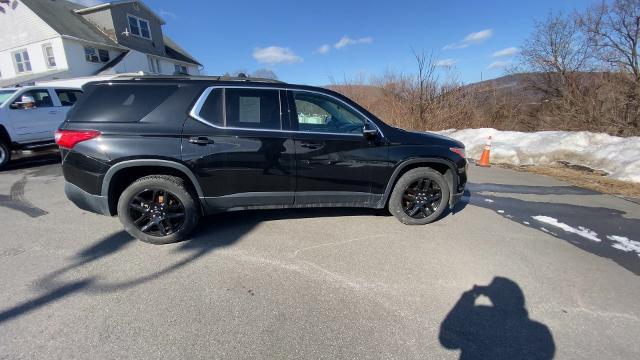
5	95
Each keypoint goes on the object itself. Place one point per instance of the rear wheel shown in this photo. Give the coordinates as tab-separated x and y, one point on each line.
158	209
419	197
5	153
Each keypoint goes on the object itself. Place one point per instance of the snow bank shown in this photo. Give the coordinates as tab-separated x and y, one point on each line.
619	157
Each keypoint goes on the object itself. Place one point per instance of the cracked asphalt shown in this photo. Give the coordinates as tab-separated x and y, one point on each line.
486	281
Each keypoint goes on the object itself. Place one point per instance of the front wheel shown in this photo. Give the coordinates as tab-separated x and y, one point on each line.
158	209
5	153
419	197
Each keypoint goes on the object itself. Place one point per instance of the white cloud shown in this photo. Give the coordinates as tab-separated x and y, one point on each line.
275	55
345	40
473	38
446	62
500	64
323	49
510	51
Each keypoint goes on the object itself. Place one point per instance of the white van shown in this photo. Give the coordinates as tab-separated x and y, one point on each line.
30	115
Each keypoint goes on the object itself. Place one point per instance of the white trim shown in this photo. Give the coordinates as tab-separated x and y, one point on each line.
120	2
195	110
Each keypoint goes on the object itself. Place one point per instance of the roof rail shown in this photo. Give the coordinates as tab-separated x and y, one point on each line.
142	75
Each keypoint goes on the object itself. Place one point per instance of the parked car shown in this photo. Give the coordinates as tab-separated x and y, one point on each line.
30	115
160	152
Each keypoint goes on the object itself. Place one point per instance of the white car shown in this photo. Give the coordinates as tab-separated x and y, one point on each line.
30	115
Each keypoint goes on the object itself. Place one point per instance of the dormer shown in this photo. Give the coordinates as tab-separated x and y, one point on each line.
129	23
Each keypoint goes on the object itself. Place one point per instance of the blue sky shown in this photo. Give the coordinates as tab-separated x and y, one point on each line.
311	41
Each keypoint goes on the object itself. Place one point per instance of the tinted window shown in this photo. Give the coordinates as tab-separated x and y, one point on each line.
42	97
253	108
68	97
120	103
321	113
212	108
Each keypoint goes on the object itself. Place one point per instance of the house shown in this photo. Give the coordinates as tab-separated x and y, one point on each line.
59	39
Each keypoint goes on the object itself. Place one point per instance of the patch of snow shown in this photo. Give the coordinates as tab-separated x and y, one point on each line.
543	229
488	200
581	230
501	211
618	156
525	222
625	244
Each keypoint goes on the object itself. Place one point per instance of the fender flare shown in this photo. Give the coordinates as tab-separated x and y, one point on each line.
404	163
149	162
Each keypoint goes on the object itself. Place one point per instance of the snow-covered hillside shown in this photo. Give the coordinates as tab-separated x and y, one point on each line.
619	157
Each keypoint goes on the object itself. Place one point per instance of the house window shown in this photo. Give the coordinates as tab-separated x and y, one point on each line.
92	54
154	65
139	27
49	58
21	61
103	55
180	68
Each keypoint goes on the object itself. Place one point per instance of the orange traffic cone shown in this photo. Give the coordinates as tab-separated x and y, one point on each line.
484	158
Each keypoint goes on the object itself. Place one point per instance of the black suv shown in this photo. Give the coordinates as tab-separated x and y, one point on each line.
160	152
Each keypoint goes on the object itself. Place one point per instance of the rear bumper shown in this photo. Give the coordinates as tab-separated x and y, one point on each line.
85	201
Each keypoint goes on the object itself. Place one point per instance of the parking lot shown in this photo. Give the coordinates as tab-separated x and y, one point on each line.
556	271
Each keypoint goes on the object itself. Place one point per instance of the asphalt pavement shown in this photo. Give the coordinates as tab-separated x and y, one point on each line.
525	267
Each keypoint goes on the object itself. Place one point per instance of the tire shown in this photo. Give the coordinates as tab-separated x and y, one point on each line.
411	195
5	154
153	203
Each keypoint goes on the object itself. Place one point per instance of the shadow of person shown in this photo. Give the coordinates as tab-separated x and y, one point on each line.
500	331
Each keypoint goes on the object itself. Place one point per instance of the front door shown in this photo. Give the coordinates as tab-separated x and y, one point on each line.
39	122
235	146
336	164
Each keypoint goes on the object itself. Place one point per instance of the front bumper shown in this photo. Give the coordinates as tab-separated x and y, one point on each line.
85	201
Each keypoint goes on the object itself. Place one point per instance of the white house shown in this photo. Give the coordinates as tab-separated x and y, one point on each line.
58	39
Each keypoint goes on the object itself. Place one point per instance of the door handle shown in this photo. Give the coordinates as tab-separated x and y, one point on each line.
311	146
53	112
200	140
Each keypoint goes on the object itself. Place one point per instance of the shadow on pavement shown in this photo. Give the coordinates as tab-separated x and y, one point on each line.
607	225
16	199
215	232
502	330
38	158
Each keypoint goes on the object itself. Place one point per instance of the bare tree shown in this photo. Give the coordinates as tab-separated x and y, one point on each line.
557	49
265	74
615	29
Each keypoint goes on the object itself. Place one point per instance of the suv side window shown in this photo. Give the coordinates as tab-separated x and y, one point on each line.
68	97
323	114
41	96
253	109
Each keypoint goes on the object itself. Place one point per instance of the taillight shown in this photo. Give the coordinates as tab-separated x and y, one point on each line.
459	151
69	138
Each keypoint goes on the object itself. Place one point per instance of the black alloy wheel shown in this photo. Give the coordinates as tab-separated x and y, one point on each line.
421	198
156	212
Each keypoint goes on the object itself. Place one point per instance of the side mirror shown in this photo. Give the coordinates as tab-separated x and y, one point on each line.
26	102
369	133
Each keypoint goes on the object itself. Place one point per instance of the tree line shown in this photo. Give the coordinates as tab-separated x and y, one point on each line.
577	71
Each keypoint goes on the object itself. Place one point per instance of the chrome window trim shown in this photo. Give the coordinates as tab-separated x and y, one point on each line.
195	110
